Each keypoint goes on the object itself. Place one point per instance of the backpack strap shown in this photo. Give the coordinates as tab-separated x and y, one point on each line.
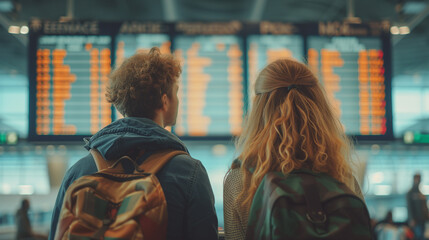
315	212
156	161
99	160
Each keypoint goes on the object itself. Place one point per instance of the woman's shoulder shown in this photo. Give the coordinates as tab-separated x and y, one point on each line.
233	175
233	182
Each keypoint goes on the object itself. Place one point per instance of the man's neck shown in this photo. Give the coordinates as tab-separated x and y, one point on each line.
158	119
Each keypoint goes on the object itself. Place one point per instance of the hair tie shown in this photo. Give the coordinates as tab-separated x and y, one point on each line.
291	87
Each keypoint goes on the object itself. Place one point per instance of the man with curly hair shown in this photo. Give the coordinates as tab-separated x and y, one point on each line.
144	90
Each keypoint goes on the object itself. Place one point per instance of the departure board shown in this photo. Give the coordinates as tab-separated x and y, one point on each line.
352	71
211	85
69	64
71	80
129	44
267	42
136	37
265	49
69	67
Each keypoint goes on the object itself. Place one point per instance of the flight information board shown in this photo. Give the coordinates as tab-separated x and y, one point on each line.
68	76
71	79
352	70
136	37
129	44
211	85
265	49
352	61
267	42
69	63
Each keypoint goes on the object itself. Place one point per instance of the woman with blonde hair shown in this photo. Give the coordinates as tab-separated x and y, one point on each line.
290	126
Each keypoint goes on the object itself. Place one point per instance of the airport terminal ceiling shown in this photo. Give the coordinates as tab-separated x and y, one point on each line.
409	59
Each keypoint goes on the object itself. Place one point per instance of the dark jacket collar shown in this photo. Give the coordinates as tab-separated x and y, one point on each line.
130	133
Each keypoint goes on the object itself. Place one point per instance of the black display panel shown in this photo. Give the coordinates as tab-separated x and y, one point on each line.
267	42
129	44
211	85
69	63
354	68
69	68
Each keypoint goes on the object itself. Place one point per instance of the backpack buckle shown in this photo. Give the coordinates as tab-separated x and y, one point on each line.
316	217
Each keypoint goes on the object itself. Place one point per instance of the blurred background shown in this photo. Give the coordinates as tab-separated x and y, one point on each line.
222	44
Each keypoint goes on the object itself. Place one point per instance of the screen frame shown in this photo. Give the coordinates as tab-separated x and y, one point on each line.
201	28
40	28
380	30
113	29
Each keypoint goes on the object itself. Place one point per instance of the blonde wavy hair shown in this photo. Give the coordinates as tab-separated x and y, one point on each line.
291	125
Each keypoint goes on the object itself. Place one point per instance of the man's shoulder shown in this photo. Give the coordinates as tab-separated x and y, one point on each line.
182	166
182	161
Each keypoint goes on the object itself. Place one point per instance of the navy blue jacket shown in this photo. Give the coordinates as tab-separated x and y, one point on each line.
184	180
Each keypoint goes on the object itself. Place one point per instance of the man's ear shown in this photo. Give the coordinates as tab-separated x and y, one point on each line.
165	102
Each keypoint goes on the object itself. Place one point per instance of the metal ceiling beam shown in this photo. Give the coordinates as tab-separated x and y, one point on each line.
257	10
350	9
416	20
351	12
70	9
170	10
5	23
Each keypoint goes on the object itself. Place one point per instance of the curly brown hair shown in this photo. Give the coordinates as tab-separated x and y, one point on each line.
137	85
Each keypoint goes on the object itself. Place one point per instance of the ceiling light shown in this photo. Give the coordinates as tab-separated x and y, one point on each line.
26	189
377	177
6	188
14	29
404	30
394	30
6	6
382	190
12	138
414	7
24	30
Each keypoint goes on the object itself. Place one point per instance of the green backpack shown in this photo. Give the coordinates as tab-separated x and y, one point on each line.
306	205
